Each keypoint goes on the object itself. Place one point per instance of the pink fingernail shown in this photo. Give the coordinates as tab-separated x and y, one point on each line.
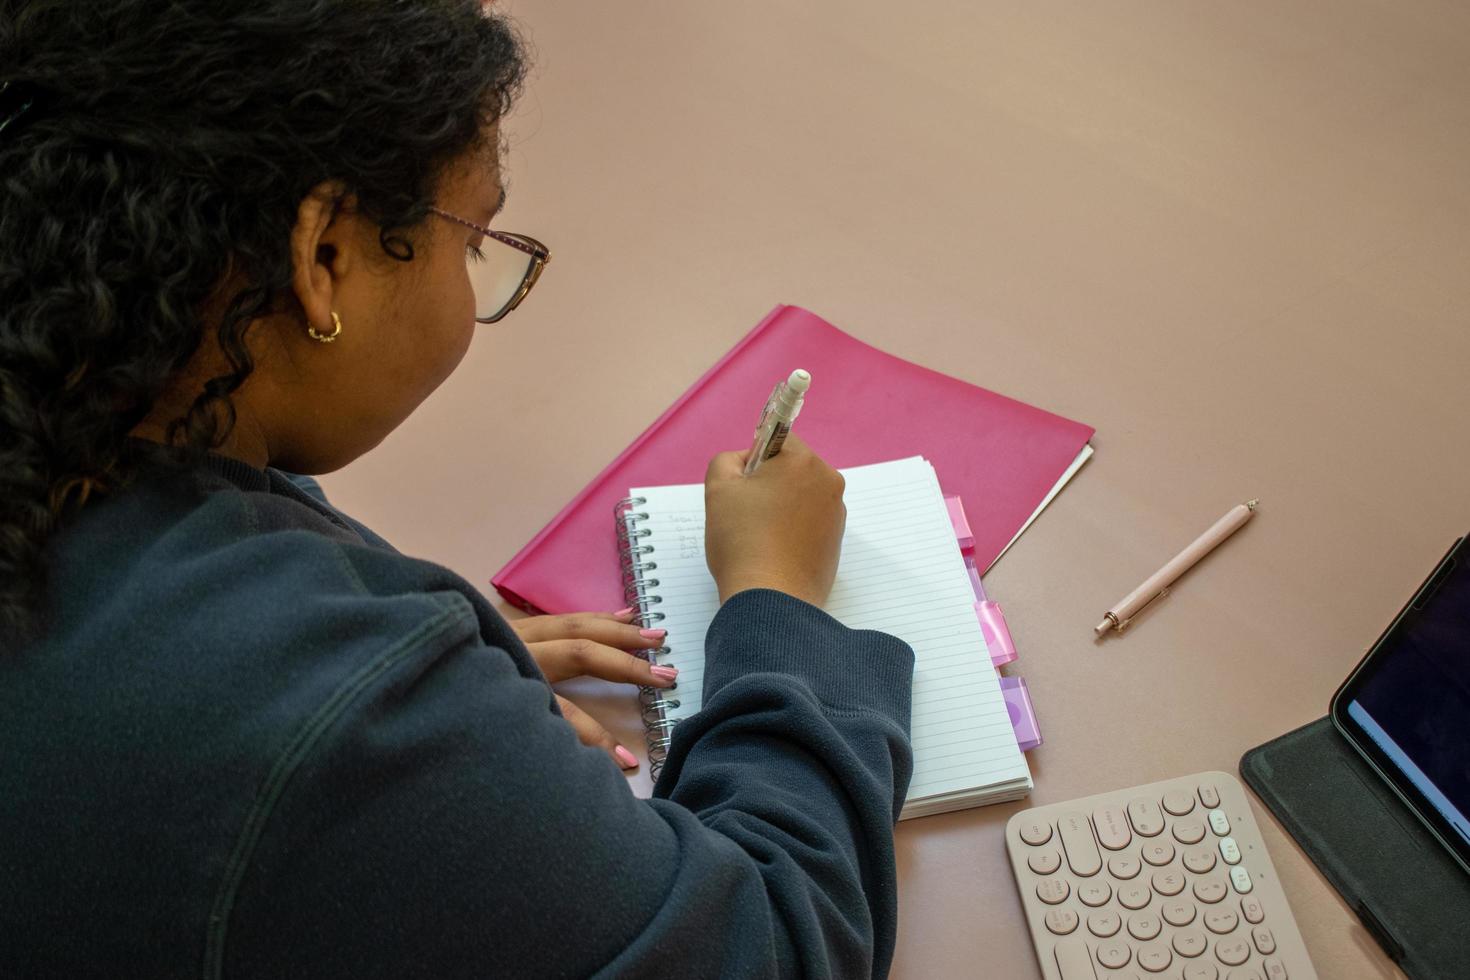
653	634
664	673
626	758
623	613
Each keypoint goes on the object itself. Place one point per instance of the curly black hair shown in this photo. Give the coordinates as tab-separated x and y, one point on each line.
167	150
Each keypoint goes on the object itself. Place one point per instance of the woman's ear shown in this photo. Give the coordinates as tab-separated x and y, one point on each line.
320	252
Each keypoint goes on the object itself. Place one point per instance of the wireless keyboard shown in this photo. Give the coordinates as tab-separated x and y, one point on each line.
1170	880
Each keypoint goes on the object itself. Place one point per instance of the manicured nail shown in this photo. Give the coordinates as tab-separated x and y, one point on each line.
664	673
653	634
625	758
624	613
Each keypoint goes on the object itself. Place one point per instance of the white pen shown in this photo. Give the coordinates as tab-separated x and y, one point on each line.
781	410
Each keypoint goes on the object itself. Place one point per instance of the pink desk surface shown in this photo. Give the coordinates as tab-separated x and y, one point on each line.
1233	237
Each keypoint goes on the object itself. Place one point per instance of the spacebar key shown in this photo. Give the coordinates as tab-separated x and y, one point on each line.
1074	960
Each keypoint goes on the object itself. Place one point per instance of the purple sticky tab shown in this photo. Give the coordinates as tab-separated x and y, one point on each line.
961	524
1023	716
997	636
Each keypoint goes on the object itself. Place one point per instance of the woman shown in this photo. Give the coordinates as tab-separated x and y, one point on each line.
246	737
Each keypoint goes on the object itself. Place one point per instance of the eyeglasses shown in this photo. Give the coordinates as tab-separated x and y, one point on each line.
501	277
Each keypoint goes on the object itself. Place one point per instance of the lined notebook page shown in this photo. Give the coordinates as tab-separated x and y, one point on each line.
900	572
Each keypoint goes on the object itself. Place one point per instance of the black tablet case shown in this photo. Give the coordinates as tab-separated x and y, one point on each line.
1405	888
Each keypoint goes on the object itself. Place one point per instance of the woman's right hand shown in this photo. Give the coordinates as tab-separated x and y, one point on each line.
780	528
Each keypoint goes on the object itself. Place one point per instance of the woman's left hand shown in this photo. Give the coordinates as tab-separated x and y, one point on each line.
594	645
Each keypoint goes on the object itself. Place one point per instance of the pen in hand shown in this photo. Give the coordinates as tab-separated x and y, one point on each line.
776	418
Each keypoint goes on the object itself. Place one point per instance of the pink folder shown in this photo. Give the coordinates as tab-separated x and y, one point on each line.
865	406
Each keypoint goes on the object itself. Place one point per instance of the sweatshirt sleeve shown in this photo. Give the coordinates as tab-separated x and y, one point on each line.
437	818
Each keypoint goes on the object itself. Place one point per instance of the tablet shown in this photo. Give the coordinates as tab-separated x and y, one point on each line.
1406	708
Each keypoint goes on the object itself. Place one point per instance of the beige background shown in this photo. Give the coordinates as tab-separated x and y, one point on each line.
1233	236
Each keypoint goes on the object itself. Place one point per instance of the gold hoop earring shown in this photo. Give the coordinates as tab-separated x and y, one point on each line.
326	338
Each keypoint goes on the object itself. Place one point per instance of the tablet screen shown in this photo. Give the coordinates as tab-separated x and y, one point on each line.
1408	705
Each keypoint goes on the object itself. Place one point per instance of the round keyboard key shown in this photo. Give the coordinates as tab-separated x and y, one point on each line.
1221	920
1252	909
1094	893
1208	795
1190	830
1145	817
1275	969
1144	926
1208	890
1158	852
1125	866
1104	924
1199	859
1219	823
1178	802
1053	891
1133	895
1061	921
1232	950
1155	957
1044	862
1035	832
1169	882
1178	912
1114	955
1201	970
1244	973
1190	942
1265	942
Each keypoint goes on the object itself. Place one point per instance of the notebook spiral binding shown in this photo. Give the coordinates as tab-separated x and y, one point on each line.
637	592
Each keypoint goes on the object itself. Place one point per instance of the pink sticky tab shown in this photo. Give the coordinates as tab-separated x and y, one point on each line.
997	636
1023	716
975	580
961	523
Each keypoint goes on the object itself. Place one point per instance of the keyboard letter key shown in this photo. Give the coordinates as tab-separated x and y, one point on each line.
1114	955
1155	957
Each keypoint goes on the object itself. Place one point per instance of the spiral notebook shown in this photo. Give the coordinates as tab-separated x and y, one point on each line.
900	572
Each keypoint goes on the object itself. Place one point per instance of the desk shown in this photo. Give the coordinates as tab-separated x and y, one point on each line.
1233	237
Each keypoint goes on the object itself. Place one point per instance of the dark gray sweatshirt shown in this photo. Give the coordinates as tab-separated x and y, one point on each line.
256	741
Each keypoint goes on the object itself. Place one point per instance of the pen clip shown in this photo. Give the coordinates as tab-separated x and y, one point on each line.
1124	624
